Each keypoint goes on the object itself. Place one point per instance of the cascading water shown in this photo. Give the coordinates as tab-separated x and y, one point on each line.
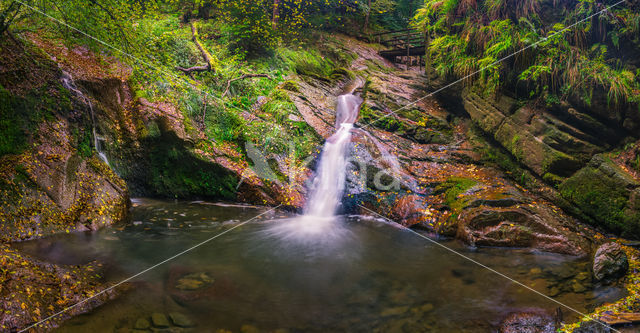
318	227
69	84
328	185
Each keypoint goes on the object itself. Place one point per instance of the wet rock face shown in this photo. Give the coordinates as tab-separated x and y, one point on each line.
610	262
528	322
514	226
54	182
58	186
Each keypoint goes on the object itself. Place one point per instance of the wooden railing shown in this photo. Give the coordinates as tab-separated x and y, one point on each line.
406	45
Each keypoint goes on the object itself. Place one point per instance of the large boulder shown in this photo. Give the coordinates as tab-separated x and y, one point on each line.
527	227
610	262
484	213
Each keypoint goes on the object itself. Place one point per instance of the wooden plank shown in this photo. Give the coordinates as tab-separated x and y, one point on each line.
390	54
415	38
393	31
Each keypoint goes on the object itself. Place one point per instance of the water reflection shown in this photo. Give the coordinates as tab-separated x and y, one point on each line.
345	275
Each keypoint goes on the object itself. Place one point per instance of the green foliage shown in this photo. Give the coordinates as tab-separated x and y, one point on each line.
225	125
281	133
474	35
306	62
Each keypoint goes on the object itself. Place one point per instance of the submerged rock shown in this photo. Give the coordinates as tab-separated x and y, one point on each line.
181	320
578	287
609	262
249	329
394	311
194	281
160	320
142	324
528	322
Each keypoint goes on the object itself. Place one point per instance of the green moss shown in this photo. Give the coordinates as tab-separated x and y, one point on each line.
558	162
83	141
552	178
378	119
291	85
454	187
19	118
176	172
514	147
603	198
341	73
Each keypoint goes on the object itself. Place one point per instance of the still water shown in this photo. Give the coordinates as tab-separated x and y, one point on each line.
278	274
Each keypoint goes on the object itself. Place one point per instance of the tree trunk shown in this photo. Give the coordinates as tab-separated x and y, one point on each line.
366	18
206	56
276	14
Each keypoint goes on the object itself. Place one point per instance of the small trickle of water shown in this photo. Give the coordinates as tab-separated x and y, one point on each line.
97	142
69	84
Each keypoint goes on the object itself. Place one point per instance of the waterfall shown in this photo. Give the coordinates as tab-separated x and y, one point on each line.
328	184
318	228
69	84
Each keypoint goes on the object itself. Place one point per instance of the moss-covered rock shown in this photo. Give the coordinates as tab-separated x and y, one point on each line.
606	194
528	137
52	180
175	170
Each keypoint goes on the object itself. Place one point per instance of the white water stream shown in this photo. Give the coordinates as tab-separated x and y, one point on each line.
69	84
328	185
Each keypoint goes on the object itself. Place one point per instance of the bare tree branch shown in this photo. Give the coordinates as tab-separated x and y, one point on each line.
206	56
